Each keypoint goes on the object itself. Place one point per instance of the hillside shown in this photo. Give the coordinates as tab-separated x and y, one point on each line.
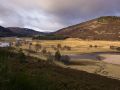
19	72
6	32
103	28
24	31
16	31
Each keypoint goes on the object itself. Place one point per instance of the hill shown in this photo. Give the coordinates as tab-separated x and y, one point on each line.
6	32
103	28
36	74
24	31
16	31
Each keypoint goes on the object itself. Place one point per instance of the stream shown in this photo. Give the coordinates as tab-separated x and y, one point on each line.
109	57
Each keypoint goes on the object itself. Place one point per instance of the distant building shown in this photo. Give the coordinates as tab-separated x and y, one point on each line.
4	44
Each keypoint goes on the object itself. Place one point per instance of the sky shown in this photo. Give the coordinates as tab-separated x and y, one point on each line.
52	15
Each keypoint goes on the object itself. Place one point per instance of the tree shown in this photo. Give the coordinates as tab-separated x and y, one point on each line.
22	56
18	44
38	47
59	46
44	51
11	44
30	46
58	55
50	58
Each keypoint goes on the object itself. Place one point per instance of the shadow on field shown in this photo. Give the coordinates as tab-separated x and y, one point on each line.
82	63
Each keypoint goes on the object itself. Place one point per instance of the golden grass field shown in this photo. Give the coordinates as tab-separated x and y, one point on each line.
79	46
79	43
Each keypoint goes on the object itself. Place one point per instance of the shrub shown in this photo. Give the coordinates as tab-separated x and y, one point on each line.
50	58
44	51
59	46
65	59
30	46
67	48
118	48
38	47
22	56
95	46
113	47
54	47
58	55
90	46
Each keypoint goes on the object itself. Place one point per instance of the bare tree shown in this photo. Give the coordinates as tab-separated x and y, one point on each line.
50	58
30	46
38	47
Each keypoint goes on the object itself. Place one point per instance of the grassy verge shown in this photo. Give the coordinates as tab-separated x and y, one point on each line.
40	75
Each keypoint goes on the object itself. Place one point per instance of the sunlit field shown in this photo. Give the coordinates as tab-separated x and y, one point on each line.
82	47
77	47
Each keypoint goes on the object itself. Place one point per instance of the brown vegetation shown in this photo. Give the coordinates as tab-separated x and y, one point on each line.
103	28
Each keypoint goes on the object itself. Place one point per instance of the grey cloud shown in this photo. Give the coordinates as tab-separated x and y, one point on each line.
50	15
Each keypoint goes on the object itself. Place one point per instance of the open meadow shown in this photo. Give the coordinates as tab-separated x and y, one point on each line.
79	46
91	56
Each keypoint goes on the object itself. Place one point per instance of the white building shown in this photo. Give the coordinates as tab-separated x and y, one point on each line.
4	44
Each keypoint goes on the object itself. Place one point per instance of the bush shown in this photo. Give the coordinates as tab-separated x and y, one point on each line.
118	48
96	46
55	48
59	46
22	56
44	51
38	47
90	46
58	55
30	46
50	58
65	59
67	48
113	47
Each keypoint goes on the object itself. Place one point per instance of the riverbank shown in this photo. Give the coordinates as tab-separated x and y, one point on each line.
105	64
113	59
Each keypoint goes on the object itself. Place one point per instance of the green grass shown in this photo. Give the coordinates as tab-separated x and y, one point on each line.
41	75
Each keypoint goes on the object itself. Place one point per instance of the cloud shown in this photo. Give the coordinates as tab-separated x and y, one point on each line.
51	15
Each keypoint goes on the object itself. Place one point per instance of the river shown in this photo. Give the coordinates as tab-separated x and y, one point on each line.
109	57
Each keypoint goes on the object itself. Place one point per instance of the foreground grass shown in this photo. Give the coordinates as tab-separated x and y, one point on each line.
40	75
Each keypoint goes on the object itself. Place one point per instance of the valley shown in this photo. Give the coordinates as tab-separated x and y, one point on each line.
91	56
87	53
59	45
